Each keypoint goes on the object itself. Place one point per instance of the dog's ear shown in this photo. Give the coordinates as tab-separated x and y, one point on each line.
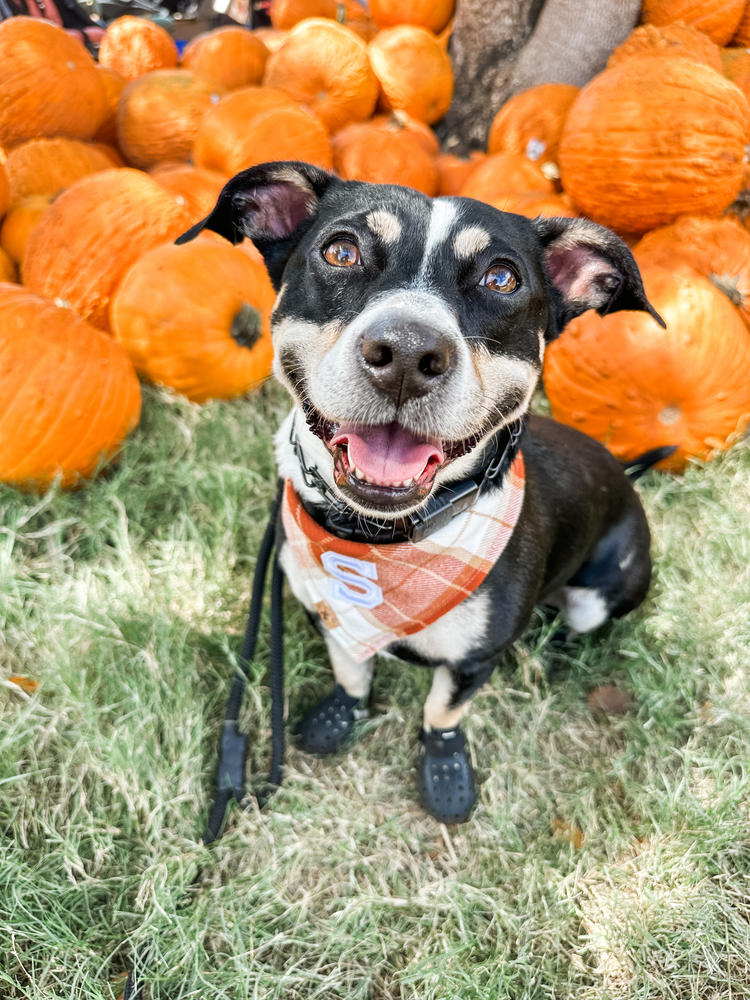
589	268
270	204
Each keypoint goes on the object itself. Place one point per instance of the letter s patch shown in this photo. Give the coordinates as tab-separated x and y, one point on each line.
353	581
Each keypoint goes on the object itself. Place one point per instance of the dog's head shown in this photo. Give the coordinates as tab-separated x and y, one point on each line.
410	330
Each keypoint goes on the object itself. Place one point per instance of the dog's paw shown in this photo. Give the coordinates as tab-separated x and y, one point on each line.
329	724
445	776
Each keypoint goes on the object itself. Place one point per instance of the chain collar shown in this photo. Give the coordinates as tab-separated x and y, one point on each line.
444	504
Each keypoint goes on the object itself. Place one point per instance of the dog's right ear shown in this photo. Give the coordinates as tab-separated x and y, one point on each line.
270	204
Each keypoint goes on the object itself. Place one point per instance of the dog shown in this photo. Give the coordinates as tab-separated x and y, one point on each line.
425	512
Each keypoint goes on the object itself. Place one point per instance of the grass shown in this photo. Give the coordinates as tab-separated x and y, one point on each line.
608	857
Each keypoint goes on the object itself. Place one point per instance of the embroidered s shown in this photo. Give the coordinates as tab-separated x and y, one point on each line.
353	580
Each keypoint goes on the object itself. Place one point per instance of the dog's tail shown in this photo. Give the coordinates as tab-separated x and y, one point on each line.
636	467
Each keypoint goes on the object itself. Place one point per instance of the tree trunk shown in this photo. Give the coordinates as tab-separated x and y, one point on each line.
500	48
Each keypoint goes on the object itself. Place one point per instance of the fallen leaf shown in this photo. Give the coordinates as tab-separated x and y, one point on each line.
561	830
608	699
25	683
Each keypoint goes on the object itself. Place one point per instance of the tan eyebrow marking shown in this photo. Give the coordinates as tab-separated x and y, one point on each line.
470	241
385	225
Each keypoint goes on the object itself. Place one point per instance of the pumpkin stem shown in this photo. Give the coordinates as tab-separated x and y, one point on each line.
246	326
727	284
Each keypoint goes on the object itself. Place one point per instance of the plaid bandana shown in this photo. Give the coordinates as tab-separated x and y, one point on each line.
368	596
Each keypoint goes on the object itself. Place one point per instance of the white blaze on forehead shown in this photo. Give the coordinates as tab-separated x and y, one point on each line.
468	242
385	225
443	214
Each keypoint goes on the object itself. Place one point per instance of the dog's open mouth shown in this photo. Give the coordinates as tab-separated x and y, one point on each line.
384	465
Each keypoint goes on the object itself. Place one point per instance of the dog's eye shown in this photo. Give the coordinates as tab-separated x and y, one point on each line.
342	253
500	278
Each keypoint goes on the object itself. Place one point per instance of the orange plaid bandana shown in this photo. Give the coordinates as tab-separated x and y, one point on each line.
368	596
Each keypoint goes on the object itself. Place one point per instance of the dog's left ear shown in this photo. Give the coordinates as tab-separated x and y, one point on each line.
270	204
589	268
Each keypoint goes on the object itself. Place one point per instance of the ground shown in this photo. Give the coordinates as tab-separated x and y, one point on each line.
608	857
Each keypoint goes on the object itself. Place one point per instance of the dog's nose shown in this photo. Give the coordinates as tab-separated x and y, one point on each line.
405	361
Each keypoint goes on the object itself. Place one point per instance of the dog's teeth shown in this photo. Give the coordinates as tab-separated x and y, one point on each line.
359	474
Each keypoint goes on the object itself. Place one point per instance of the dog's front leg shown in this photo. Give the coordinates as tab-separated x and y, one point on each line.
329	724
445	776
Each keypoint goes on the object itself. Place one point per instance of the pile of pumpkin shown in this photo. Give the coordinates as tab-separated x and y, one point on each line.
103	165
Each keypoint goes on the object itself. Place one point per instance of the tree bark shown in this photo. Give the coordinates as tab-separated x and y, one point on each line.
503	47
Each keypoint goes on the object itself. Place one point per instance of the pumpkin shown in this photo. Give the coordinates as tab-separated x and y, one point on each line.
736	66
19	223
113	157
383	156
719	249
324	65
272	38
220	136
669	40
229	58
742	33
635	386
195	189
46	166
68	393
286	13
134	46
4	189
197	318
159	114
7	267
113	84
282	133
93	232
414	71
532	205
531	122
431	14
454	171
644	144
49	84
395	121
719	19
505	173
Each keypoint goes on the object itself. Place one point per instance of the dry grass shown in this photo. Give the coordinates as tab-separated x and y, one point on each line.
126	600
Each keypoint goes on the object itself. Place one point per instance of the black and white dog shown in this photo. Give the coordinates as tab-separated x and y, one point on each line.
425	513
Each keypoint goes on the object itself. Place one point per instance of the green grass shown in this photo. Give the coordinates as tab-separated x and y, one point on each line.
126	601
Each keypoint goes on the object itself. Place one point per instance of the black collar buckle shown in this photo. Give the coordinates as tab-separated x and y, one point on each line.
442	508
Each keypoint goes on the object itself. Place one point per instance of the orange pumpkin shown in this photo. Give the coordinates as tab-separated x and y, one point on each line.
431	14
454	171
532	205
414	72
395	121
282	133
195	189
719	249
383	156
159	115
113	84
719	19
736	66
91	235
46	166
221	133
68	393
635	386
324	65
505	173
229	57
669	40
742	34
19	223
49	84
197	318
646	142
4	189
7	267
134	46
286	13
272	38
531	122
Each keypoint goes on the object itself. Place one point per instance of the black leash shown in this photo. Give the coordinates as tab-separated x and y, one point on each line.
230	772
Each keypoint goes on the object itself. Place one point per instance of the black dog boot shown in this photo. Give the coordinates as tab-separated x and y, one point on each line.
328	725
445	776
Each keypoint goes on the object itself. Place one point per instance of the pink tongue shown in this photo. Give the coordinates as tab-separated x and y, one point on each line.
387	453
